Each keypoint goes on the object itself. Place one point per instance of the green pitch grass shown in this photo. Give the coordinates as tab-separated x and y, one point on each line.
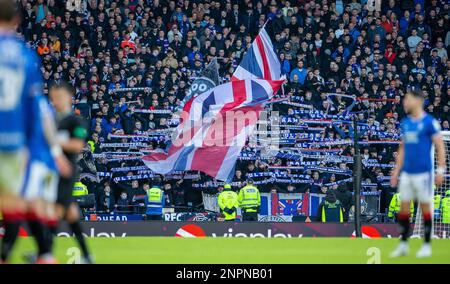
239	250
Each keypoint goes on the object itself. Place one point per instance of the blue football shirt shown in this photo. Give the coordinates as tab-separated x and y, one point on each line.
20	84
417	137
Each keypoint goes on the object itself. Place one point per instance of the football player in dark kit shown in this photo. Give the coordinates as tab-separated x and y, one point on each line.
72	134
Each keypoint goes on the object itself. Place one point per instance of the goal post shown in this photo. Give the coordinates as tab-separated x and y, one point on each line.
441	216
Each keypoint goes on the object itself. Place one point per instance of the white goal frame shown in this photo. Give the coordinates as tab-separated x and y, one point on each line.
440	230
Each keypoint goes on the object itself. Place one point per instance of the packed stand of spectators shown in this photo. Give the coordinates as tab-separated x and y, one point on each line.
160	46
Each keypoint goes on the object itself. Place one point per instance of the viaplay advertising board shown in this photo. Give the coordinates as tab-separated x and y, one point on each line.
230	230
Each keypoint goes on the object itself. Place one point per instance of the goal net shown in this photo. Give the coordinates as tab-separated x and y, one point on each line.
441	216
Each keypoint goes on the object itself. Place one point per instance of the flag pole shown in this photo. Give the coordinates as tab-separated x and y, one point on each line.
265	23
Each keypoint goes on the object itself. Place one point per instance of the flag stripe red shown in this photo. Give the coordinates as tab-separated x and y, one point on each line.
209	159
262	52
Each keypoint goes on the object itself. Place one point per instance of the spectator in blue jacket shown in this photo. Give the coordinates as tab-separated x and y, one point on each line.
300	71
405	23
344	53
285	64
111	125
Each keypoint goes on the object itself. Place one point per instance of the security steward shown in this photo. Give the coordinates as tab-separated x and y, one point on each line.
446	208
79	189
228	202
437	206
330	210
154	203
394	207
249	201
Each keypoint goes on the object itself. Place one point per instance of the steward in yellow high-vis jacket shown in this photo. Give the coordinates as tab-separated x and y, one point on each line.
446	208
228	203
394	207
249	201
79	189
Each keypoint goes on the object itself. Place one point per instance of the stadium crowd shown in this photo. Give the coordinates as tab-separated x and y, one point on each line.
155	48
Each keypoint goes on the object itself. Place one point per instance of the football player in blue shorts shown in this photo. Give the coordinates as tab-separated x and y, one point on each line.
413	171
20	85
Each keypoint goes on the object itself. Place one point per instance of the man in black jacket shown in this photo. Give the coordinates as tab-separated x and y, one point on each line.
127	121
345	197
106	201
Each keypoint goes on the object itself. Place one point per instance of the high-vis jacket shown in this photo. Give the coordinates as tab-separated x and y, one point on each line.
395	205
228	203
79	189
249	198
446	208
91	145
332	212
155	201
437	206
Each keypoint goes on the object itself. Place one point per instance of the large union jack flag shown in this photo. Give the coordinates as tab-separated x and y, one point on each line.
213	129
260	61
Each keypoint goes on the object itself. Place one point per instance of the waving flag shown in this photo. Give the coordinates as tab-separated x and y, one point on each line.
260	61
208	79
213	129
